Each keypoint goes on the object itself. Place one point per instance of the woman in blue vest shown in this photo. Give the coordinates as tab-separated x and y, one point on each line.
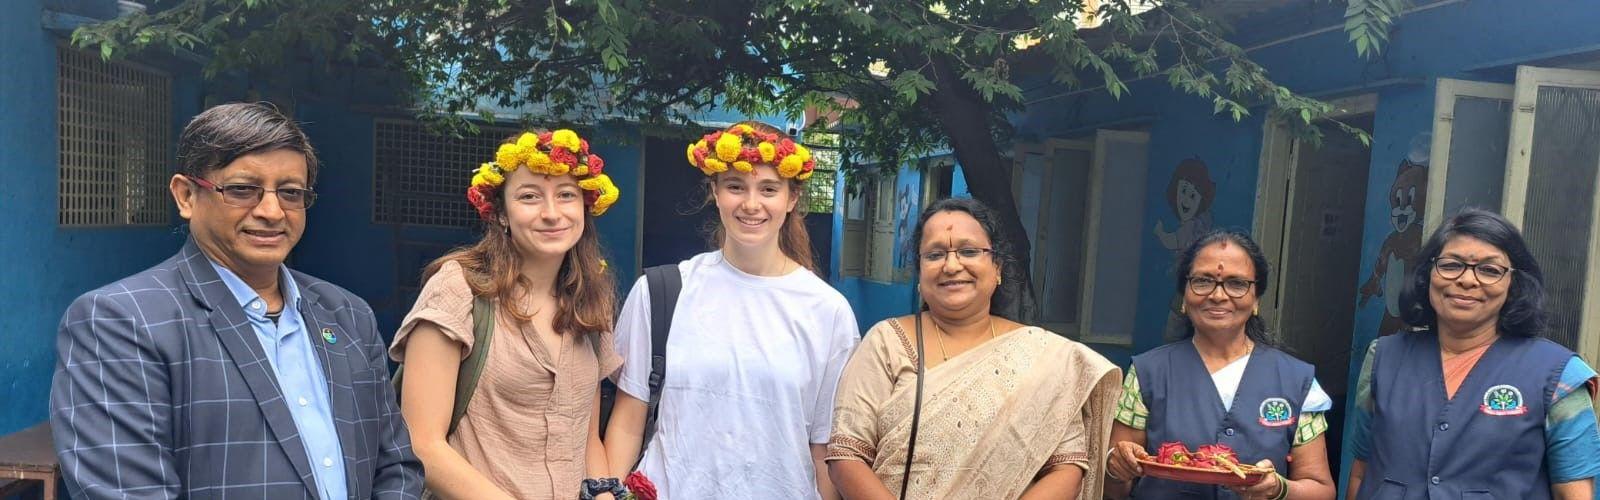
1224	383
1473	404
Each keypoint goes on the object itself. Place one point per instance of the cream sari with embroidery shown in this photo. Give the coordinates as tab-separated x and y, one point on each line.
994	418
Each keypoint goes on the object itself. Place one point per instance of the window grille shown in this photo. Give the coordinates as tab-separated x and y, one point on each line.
820	187
420	178
115	130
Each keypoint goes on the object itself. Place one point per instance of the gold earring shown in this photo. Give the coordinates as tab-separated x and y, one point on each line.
999	279
1183	308
1257	312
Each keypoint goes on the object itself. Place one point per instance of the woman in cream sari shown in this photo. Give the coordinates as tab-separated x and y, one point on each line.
1007	410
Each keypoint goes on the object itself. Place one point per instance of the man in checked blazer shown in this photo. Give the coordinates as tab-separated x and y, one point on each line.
221	373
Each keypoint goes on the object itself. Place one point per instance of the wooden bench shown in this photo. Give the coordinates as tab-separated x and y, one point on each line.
27	456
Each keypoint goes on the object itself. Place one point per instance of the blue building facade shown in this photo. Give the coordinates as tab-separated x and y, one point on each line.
1460	84
391	195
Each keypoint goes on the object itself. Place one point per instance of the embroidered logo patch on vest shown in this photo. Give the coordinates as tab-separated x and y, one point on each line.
1276	412
1503	400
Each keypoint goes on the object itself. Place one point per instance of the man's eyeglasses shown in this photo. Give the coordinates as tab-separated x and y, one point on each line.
250	195
1233	287
962	254
1486	273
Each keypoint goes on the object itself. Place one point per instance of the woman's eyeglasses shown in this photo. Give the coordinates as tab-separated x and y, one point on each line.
1486	273
962	254
1233	287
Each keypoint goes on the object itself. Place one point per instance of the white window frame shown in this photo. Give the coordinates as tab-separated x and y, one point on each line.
1040	242
1092	215
1447	93
854	236
1518	156
880	251
1275	185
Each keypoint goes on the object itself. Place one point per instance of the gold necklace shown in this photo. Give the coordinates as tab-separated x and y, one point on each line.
940	338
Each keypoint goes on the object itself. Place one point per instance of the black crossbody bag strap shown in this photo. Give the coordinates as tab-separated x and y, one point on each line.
916	413
664	282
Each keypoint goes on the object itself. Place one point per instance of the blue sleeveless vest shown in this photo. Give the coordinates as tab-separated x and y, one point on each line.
1184	407
1487	442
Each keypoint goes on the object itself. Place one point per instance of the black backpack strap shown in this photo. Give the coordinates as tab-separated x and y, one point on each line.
664	283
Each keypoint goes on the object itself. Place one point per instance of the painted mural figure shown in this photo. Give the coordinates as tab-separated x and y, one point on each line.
1189	194
1398	254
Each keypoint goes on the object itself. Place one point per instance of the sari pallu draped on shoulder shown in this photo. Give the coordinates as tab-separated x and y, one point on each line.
994	418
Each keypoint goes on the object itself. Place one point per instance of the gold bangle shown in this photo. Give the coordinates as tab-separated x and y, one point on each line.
1283	487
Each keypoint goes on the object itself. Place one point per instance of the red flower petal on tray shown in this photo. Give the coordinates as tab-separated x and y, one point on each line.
1173	453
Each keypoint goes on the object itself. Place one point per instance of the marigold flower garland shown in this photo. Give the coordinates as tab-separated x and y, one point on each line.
742	147
560	152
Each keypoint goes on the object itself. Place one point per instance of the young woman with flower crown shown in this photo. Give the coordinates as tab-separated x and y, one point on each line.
757	340
531	427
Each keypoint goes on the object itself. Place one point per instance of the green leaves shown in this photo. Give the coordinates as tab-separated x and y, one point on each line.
909	85
1368	23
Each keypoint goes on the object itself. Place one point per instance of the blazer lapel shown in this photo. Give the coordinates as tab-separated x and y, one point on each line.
334	346
233	329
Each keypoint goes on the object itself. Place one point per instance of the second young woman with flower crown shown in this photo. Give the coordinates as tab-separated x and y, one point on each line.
530	430
757	340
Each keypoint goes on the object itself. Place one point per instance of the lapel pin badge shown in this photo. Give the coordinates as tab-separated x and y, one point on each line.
328	336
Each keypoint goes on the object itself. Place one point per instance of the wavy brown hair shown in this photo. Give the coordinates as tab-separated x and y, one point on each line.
585	290
793	238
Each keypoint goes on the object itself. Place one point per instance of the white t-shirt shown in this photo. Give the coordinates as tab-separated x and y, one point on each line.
1227	381
752	363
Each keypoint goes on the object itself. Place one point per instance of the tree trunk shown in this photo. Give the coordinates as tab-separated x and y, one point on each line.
965	119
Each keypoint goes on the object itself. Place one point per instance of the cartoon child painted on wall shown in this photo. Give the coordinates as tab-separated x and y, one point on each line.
1189	194
1407	198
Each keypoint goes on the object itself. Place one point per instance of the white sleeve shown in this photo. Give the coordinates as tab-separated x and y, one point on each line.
843	335
633	342
1316	399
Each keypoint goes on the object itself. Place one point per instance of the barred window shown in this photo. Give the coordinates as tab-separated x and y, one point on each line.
820	187
114	124
421	177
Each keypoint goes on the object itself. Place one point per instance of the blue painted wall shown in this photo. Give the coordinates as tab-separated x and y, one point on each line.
874	301
1481	40
1474	40
49	265
376	261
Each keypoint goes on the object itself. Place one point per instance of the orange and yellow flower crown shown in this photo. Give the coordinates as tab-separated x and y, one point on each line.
742	147
560	152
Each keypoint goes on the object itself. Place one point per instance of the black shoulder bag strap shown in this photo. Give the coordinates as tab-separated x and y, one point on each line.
664	282
916	412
